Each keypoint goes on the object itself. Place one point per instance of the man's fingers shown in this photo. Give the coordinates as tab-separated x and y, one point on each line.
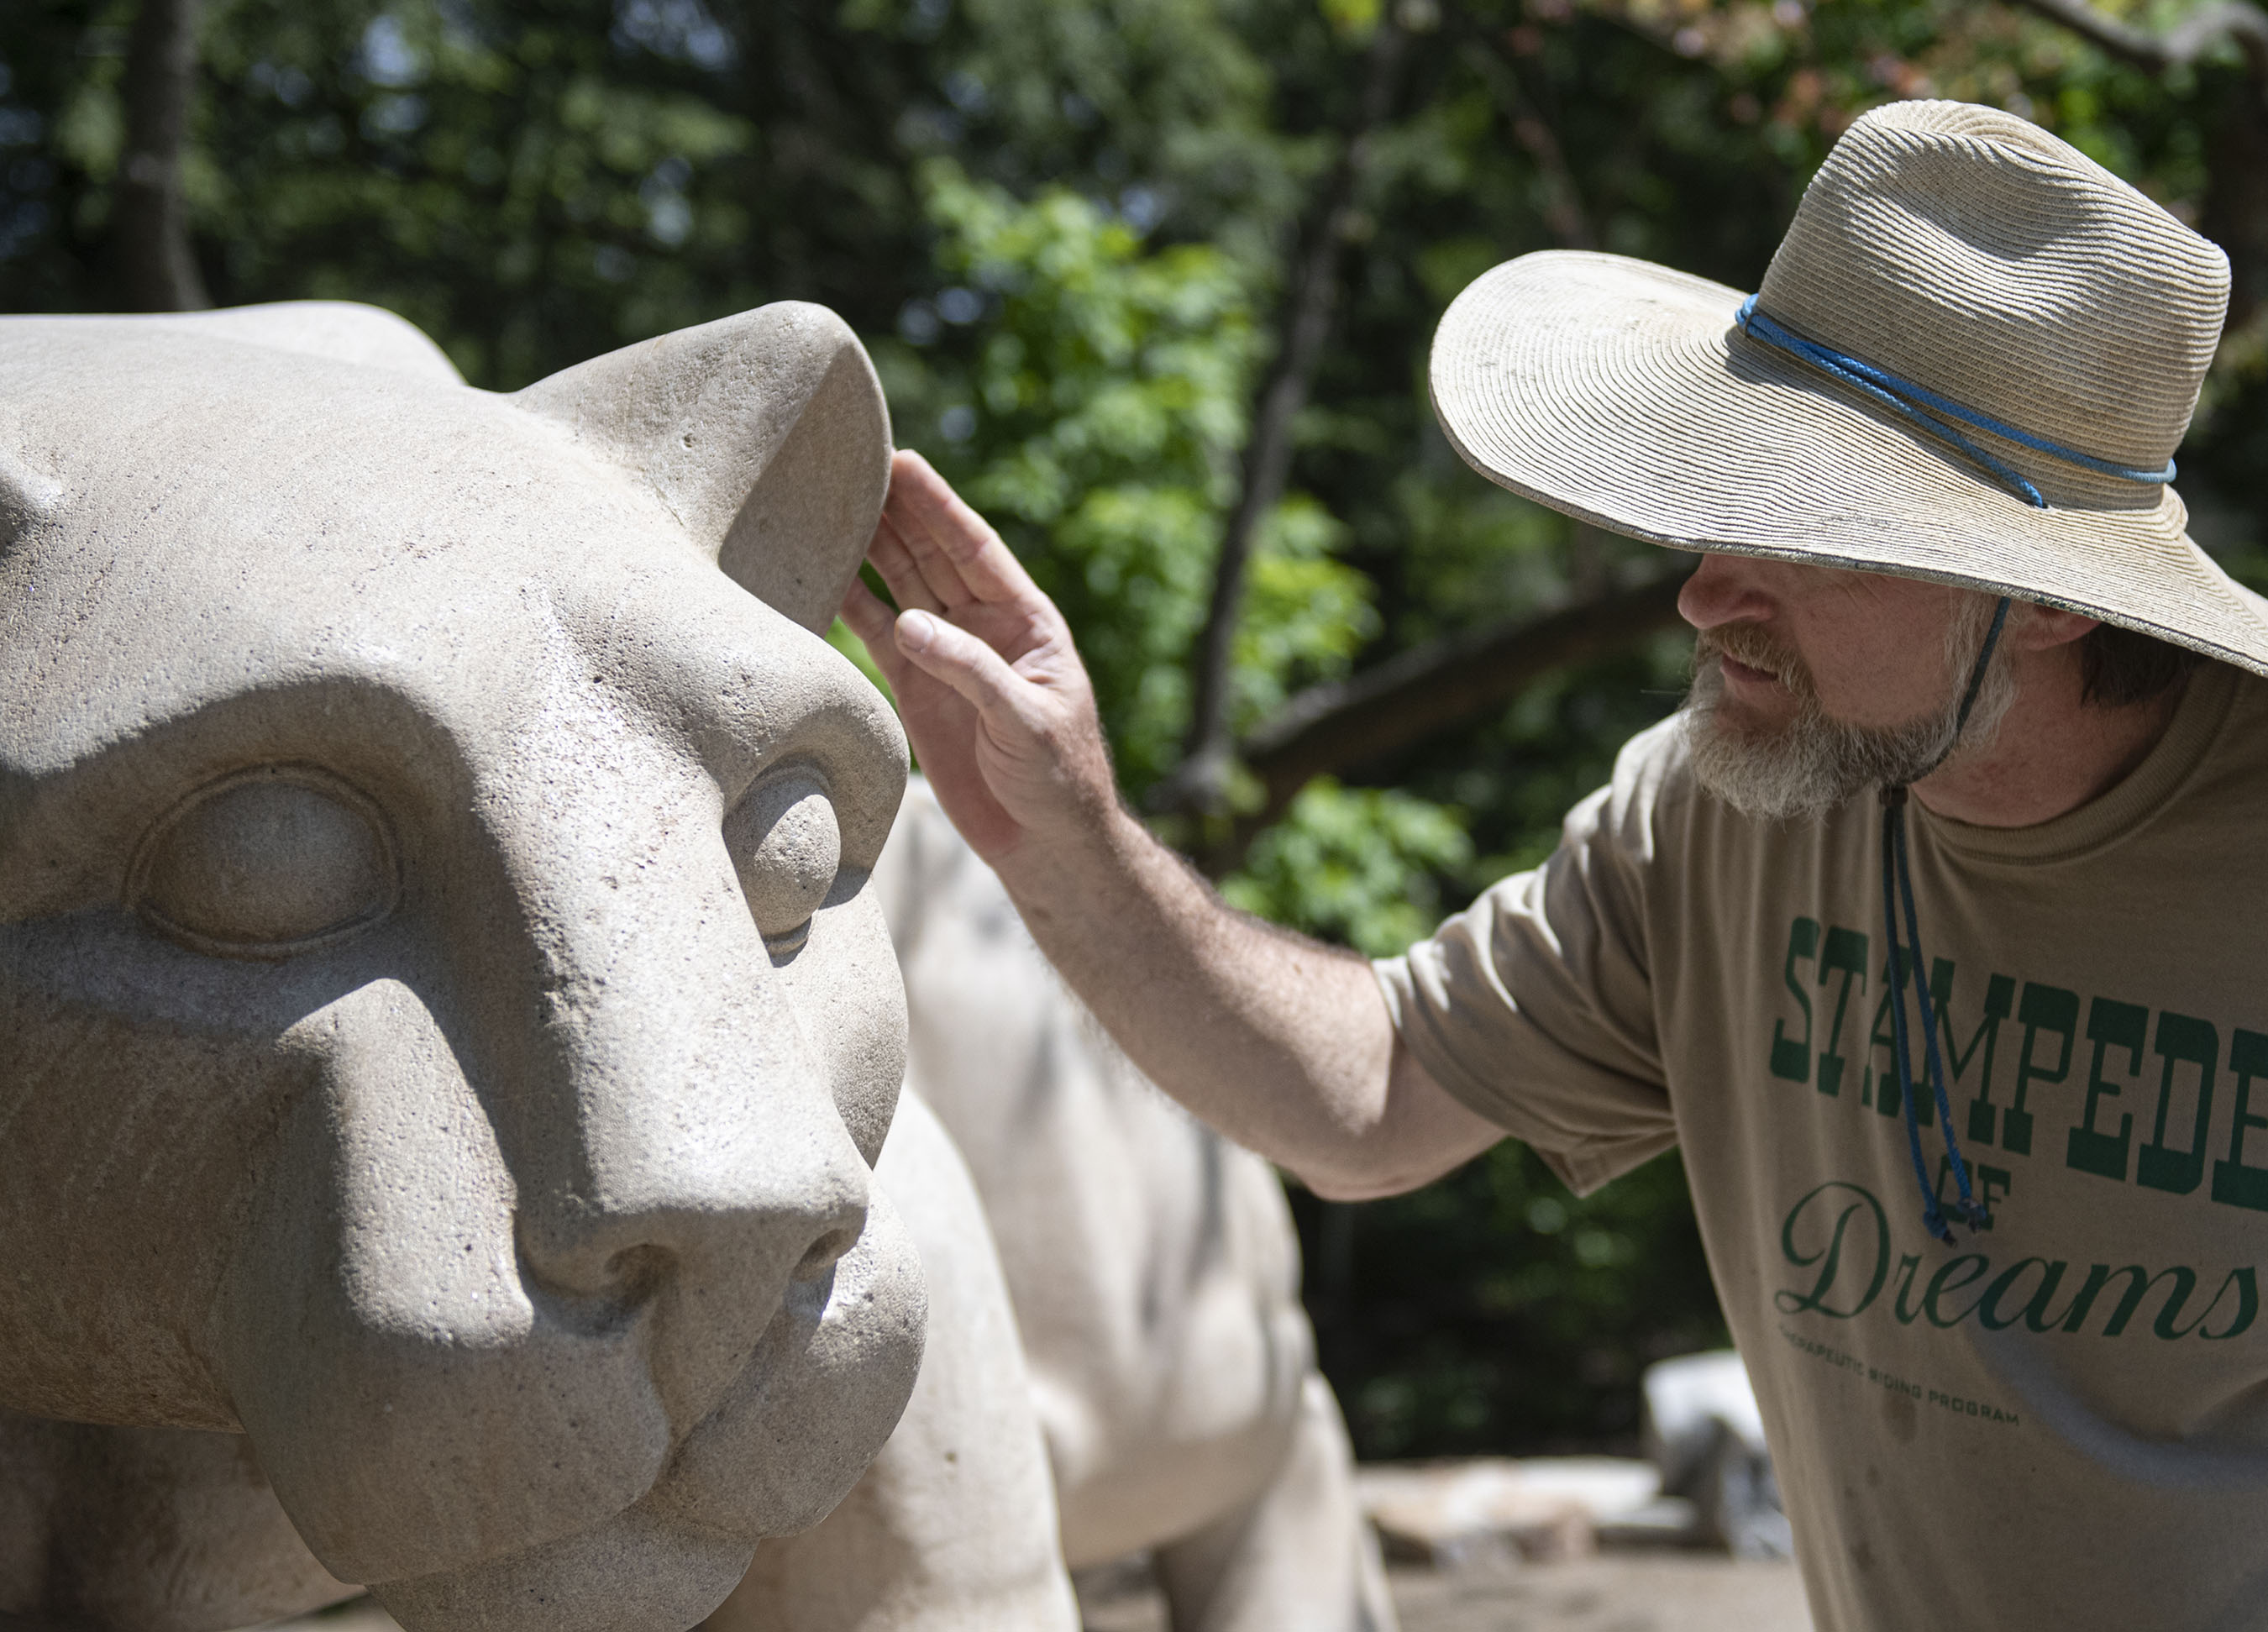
929	556
908	585
923	506
864	611
916	526
962	661
871	620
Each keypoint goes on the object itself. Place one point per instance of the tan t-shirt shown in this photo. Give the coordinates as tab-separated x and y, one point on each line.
2062	1423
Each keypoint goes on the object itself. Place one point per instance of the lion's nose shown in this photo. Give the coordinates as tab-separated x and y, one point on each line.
693	1189
624	1251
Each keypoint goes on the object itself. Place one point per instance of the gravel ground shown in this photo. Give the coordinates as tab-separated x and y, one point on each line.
1616	1592
1613	1592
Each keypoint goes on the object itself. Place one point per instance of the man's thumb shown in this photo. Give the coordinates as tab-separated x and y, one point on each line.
960	659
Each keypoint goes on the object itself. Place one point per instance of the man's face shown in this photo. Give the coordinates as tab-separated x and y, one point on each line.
1812	684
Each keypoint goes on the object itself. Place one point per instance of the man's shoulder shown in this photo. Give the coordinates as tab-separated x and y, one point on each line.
1658	760
1653	781
2243	740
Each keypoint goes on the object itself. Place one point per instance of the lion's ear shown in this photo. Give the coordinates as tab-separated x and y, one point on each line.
766	435
28	497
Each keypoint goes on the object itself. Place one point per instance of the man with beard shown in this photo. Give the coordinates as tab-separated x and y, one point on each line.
1926	928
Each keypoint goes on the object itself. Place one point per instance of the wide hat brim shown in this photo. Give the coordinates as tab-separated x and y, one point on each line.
1625	395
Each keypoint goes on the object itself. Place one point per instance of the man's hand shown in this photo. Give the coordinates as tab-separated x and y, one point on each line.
989	685
1282	1045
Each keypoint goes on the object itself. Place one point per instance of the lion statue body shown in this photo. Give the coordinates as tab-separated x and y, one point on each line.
1154	1270
448	1043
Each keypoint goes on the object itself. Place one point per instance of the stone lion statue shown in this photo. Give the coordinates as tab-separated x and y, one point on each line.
1154	1270
448	1043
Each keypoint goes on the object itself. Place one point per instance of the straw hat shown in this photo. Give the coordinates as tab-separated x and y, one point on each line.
1958	247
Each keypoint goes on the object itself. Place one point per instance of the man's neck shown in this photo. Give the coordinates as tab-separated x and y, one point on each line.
2053	752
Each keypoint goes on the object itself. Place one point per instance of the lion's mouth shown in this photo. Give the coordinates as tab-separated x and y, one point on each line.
832	1372
633	1573
823	1389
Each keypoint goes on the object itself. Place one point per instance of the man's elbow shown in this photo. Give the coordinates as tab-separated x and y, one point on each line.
1367	1176
1338	1188
1407	1138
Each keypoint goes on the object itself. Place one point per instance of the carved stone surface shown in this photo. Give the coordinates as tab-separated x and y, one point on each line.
445	1036
953	1529
1154	1272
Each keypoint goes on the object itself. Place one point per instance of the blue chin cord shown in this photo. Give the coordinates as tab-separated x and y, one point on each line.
1897	889
1929	412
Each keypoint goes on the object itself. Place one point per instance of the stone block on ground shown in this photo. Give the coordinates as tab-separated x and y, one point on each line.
1446	1514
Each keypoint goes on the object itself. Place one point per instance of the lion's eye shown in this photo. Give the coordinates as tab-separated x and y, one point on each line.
788	848
267	863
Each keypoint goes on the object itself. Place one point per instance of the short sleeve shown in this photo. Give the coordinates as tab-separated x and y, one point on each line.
1535	1006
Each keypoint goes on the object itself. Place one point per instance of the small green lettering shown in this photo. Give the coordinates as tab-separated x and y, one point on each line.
1988	1184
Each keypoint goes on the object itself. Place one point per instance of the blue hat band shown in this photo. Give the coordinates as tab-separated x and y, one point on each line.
1918	406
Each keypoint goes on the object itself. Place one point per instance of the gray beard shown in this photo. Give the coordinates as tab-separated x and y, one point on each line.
1815	763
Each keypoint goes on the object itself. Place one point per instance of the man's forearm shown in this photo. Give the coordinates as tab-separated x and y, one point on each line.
1282	1044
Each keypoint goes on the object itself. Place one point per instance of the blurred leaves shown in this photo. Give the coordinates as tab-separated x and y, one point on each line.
1088	394
1065	229
1355	865
1088	390
1521	1315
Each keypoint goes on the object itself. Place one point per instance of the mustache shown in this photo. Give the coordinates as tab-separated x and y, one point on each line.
1748	645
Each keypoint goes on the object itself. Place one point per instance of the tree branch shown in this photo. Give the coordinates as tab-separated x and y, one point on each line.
1563	209
1200	784
2177	46
156	270
2235	203
1428	688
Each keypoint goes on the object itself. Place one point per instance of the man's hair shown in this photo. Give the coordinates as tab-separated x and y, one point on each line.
2118	666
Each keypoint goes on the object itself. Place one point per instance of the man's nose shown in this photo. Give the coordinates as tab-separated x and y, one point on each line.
1725	588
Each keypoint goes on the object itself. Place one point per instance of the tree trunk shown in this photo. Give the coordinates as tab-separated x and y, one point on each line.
155	267
1200	785
1409	697
2236	157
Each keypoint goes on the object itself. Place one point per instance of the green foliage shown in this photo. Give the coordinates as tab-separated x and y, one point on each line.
1520	1314
1067	228
1090	399
1356	865
1307	613
1088	390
